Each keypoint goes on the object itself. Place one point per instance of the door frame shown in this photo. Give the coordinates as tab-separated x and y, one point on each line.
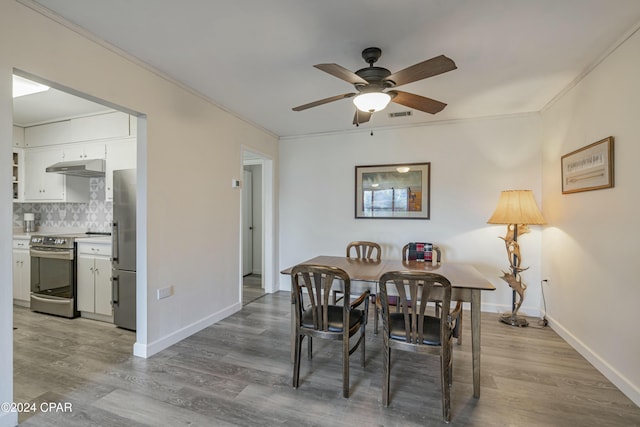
251	156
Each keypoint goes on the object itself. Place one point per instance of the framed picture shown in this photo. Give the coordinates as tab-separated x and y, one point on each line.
399	191
589	168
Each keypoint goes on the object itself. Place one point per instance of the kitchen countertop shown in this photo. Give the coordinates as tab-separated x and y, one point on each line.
18	234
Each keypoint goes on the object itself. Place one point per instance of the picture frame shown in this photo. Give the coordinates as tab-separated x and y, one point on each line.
393	191
588	168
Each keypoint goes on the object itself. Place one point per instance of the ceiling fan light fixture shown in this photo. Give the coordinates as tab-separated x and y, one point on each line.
371	102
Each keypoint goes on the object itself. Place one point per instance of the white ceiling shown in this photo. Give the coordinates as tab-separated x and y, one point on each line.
52	105
255	57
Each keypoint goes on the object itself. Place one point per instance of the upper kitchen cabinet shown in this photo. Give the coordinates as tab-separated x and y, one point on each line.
18	136
121	154
84	151
40	186
103	126
18	162
92	128
48	134
17	173
108	136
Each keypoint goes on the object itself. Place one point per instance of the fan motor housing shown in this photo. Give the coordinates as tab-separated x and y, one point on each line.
375	75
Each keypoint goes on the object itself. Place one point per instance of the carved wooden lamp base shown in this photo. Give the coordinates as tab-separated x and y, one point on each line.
517	209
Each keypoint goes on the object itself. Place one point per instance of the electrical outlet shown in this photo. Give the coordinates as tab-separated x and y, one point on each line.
165	292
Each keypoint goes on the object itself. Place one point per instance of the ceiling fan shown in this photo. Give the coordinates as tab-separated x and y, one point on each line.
372	84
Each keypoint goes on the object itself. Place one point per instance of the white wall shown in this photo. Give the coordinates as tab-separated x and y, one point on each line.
591	246
471	161
192	151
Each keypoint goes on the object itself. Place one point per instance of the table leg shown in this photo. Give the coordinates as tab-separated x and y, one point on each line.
475	340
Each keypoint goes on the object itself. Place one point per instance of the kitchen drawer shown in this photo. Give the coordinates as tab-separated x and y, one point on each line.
21	244
94	249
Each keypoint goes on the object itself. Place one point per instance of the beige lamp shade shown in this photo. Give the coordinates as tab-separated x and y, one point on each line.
517	207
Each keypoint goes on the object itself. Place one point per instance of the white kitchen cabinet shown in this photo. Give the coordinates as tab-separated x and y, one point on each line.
104	136
94	280
102	126
88	150
21	272
41	186
121	154
18	136
81	129
18	174
47	134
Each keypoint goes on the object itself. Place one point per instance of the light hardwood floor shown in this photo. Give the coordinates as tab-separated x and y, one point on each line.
251	288
238	373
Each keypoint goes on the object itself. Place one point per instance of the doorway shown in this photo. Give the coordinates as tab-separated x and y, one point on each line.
256	235
120	142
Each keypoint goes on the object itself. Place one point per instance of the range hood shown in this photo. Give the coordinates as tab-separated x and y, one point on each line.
87	168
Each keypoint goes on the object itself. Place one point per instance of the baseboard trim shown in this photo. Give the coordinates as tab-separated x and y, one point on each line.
624	385
148	350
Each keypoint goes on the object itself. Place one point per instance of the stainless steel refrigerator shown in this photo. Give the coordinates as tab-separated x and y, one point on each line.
123	233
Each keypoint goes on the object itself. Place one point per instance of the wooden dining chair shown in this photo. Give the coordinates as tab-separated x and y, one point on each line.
364	250
315	317
409	254
415	328
369	251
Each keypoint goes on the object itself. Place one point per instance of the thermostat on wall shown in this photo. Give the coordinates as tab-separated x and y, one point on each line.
235	183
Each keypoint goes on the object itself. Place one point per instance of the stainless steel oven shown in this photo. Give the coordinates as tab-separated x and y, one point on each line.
53	275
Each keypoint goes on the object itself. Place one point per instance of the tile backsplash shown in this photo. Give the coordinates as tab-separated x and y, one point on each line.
97	215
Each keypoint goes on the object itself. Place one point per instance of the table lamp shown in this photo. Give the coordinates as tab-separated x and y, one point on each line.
517	209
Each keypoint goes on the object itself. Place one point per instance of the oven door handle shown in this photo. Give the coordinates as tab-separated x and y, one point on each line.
51	300
38	253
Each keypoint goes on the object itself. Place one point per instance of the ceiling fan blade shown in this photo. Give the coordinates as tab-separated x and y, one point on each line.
417	102
341	73
429	68
361	117
323	101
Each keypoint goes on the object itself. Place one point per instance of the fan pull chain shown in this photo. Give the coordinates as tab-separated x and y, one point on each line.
371	124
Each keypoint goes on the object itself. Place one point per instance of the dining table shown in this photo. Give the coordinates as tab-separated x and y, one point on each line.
467	285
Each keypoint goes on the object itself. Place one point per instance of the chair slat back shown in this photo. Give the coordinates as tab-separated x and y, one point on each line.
313	283
364	250
414	290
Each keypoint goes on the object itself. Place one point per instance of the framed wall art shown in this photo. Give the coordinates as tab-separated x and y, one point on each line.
589	168
398	191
